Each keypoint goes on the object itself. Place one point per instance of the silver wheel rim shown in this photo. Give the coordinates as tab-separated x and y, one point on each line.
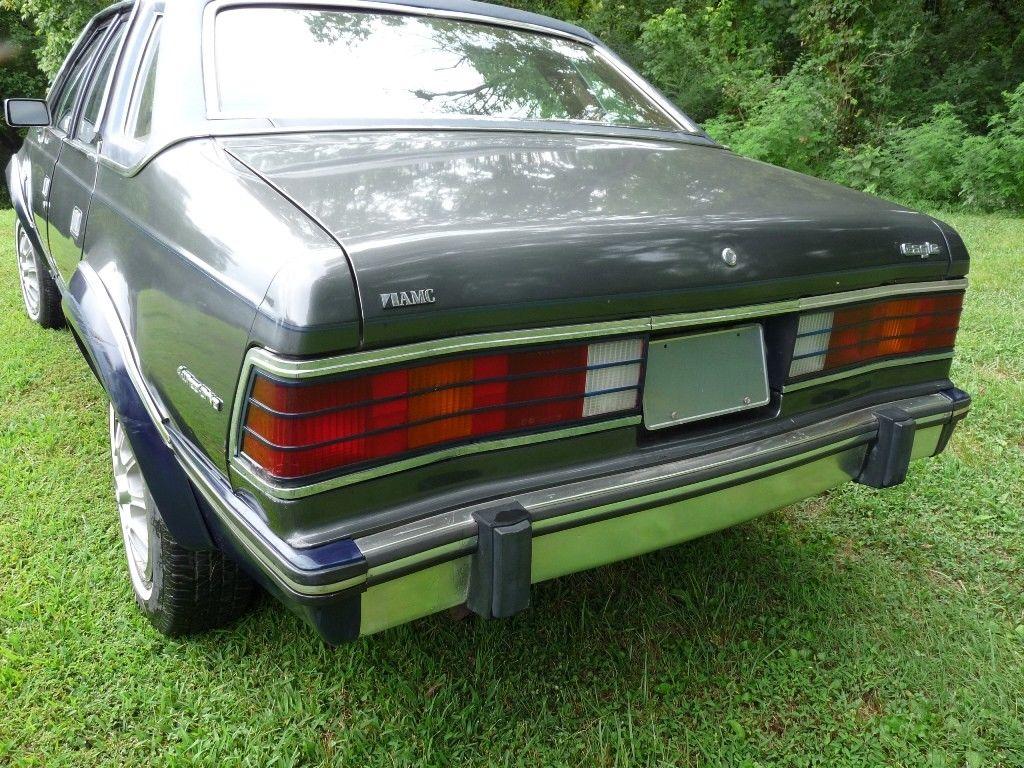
29	273
136	507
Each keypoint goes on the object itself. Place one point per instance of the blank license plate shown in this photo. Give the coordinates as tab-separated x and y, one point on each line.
696	377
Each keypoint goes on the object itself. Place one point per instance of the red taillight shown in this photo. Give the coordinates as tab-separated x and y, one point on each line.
299	429
857	335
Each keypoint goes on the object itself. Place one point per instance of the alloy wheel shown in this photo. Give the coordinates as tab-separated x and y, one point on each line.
28	271
136	508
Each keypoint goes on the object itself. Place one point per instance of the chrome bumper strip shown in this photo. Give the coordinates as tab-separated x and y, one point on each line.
417	538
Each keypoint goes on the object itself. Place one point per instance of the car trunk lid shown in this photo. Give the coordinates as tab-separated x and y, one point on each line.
450	233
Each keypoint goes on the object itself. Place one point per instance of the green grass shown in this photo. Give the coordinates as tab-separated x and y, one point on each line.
863	628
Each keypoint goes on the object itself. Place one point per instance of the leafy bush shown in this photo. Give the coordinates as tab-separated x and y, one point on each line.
680	62
793	126
941	163
19	76
58	23
991	170
923	161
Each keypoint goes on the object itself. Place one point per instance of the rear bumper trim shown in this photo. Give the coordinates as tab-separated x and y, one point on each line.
301	368
405	559
678	479
587	525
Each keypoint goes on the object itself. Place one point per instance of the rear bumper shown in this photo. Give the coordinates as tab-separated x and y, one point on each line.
352	588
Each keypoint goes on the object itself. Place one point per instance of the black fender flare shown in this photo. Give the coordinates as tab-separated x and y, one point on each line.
101	337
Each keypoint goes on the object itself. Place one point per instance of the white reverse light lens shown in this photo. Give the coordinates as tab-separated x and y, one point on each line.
812	341
616	366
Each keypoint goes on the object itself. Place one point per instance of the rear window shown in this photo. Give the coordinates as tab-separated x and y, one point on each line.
300	63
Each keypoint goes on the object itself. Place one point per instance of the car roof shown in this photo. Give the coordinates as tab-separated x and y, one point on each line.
183	77
467	7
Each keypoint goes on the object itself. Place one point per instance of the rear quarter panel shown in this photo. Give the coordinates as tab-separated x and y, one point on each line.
187	249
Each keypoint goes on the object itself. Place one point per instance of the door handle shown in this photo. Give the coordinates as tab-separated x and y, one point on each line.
76	222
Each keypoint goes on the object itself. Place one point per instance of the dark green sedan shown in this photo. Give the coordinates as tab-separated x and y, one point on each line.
408	306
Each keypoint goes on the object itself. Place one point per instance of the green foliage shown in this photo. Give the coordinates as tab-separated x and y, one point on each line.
19	76
792	126
923	160
992	165
58	23
943	162
679	60
899	97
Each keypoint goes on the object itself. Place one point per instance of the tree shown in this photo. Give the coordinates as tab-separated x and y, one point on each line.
57	24
19	76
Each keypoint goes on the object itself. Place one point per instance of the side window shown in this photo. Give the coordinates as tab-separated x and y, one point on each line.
140	115
65	103
87	123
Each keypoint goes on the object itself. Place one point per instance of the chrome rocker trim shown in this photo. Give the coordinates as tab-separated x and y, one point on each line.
296	368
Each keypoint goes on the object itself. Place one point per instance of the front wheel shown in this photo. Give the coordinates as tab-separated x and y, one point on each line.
181	592
39	290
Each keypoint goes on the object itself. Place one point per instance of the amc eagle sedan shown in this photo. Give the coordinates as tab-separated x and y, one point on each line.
402	307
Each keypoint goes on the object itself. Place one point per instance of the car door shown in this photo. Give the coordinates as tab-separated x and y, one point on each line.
42	145
75	174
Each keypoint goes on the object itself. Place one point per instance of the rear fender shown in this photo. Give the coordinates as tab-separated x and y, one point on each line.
111	356
17	191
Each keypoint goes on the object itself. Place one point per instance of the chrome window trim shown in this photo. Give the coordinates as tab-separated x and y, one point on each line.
74	53
93	149
131	109
101	34
266	361
126	22
211	90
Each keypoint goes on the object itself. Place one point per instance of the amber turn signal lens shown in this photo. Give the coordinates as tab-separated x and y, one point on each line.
865	333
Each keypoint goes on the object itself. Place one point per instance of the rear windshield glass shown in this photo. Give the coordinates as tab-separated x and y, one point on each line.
299	63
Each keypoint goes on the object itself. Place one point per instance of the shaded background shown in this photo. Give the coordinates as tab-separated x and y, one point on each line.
918	100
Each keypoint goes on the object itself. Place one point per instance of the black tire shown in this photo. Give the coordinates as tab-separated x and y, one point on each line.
181	592
193	592
39	291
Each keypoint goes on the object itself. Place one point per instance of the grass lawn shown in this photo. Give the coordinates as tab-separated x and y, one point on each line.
862	628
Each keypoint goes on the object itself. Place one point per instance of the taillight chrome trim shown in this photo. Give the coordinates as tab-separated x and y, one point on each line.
283	367
891	362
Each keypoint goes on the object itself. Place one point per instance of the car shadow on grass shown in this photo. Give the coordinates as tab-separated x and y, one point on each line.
723	601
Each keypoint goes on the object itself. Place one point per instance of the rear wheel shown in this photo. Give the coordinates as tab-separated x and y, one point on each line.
181	592
38	288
